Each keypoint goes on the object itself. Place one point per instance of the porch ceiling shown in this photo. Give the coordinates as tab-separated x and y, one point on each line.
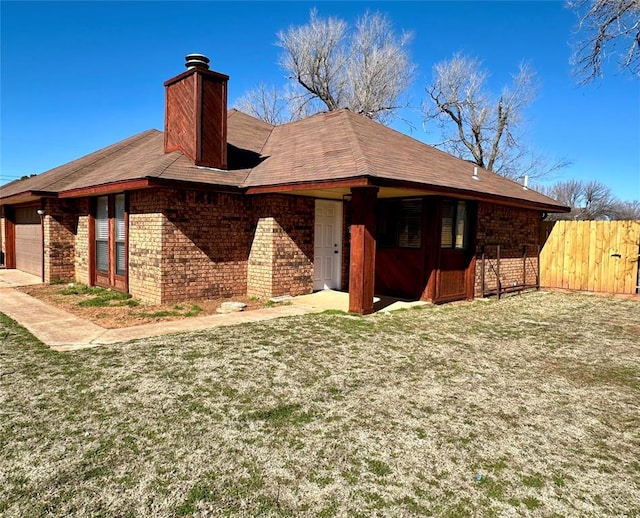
339	193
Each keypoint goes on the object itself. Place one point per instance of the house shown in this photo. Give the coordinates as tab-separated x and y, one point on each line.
223	204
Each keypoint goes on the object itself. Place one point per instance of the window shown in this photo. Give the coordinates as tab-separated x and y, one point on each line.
455	225
399	223
102	234
110	238
120	234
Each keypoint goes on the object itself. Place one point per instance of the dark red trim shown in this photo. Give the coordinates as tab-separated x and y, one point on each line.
197	117
9	237
203	71
193	186
110	188
42	216
26	197
91	221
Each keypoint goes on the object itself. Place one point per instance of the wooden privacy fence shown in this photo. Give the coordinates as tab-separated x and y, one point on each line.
591	256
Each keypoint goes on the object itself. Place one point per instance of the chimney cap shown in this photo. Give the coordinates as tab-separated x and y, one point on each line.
197	61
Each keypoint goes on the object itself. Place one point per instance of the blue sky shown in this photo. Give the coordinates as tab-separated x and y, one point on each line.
78	76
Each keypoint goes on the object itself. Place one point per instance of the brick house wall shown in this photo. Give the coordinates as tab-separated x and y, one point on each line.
205	245
59	240
512	229
186	245
281	254
145	245
81	256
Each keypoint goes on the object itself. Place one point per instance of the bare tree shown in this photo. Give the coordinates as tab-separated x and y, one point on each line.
365	70
627	210
608	27
478	127
275	105
266	103
588	200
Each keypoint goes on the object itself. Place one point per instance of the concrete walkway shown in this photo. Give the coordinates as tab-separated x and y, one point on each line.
63	331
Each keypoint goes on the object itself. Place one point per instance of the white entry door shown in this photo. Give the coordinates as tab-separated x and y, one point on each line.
328	245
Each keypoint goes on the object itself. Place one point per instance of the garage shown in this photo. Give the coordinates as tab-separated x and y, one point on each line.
28	232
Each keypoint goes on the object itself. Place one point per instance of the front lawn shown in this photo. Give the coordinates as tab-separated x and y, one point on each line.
527	406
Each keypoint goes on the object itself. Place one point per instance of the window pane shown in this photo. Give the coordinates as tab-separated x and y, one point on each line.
119	215
399	223
410	224
446	236
120	259
385	225
461	225
102	256
102	218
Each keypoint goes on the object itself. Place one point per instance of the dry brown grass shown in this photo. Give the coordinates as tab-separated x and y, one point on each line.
528	406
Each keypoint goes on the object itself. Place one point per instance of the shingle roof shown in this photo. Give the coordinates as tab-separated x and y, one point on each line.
341	144
338	145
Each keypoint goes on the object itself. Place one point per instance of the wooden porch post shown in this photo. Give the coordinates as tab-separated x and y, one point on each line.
363	249
9	238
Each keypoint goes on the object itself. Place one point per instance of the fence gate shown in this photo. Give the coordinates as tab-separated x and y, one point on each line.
599	256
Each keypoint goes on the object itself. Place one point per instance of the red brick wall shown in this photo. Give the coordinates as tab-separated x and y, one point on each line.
205	245
511	228
194	244
187	245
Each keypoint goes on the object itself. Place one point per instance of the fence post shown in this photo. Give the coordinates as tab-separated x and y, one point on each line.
524	266
482	273
499	283
538	270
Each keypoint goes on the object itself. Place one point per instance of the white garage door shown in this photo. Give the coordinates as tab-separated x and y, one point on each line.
28	240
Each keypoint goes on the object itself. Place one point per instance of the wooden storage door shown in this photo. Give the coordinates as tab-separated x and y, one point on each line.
28	232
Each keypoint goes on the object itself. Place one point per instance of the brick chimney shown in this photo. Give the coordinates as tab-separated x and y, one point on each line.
195	120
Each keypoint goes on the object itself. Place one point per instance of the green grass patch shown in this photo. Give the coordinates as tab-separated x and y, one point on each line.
99	297
282	415
378	467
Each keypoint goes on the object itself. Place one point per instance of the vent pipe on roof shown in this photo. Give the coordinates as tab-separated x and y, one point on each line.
525	183
475	173
197	61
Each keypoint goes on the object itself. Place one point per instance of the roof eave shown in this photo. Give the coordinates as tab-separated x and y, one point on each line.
367	180
475	195
26	197
360	181
107	188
